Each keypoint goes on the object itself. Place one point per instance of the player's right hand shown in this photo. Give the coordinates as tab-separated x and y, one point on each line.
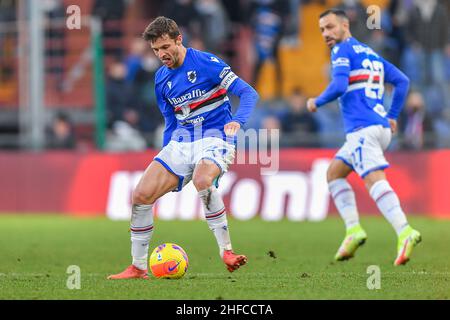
393	124
311	105
231	128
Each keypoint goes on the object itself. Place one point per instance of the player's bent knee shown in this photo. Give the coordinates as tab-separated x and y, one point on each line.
142	197
373	178
202	182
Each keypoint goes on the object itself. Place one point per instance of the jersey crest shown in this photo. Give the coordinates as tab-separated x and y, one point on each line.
192	76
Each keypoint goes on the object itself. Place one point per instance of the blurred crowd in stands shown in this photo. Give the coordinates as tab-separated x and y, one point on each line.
414	35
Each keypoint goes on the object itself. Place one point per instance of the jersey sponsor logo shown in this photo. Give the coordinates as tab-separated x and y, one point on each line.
341	62
169	84
193	121
214	59
192	76
197	93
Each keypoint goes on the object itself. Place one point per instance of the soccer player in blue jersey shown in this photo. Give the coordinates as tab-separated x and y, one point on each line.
199	139
358	77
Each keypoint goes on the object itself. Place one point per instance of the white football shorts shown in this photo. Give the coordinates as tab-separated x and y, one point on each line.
180	158
363	150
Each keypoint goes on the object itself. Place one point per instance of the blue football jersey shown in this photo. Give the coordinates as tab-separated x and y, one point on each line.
194	95
362	103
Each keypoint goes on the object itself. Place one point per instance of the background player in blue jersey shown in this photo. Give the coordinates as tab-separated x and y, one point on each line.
191	88
358	77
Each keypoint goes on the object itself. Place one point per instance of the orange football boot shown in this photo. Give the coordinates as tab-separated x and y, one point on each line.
130	273
233	261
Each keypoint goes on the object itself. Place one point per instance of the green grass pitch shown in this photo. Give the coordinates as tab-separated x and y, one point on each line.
287	260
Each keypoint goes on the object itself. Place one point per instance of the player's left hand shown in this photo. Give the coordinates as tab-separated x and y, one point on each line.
393	124
231	128
311	105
